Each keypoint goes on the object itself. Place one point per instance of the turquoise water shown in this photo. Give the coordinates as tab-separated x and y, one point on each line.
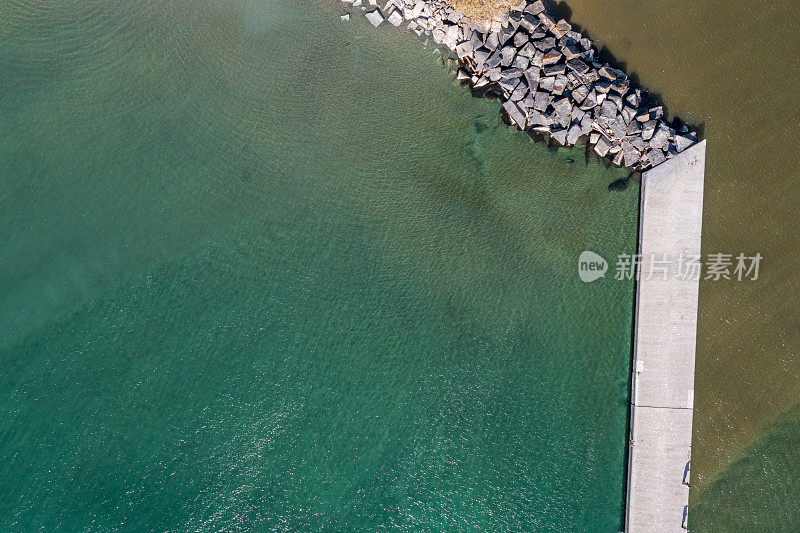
262	269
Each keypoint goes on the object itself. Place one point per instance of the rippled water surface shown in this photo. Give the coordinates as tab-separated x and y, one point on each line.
262	268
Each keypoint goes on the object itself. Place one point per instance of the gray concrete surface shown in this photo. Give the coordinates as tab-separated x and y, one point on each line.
662	390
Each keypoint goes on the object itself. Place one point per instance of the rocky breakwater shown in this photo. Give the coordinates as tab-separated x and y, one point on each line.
549	78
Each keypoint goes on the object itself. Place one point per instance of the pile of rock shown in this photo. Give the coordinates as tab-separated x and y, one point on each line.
549	78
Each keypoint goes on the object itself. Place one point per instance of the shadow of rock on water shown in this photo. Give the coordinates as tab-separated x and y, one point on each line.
620	184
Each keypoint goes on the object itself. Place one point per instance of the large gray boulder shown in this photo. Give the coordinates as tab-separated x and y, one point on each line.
559	134
580	93
507	53
521	61
520	39
535	8
603	146
554	70
492	41
547	84
682	142
515	113
545	45
552	57
532	74
560	84
541	100
648	129
578	66
574	134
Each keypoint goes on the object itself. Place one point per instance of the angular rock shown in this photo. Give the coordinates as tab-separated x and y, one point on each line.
560	135
633	99
610	73
537	58
574	134
515	114
637	142
481	57
602	87
580	93
508	84
602	146
648	129
655	157
590	102
505	34
529	22
547	21
618	158
492	41
608	110
535	8
559	84
656	112
494	60
620	85
660	137
532	74
562	107
511	73
520	91
546	45
507	55
475	40
375	18
538	33
630	154
682	142
572	51
628	113
578	66
536	118
462	49
521	61
554	70
634	128
541	100
618	127
482	82
547	84
528	50
520	39
561	28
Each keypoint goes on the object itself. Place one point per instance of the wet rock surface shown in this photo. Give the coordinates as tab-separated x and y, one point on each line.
549	79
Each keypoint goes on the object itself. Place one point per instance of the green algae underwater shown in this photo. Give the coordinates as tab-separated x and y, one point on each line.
263	269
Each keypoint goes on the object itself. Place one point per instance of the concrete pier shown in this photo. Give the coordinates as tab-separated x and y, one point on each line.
662	390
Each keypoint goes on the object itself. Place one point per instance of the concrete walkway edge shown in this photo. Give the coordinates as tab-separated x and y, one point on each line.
665	333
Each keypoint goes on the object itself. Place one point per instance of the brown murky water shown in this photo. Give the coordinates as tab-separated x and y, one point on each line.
734	68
